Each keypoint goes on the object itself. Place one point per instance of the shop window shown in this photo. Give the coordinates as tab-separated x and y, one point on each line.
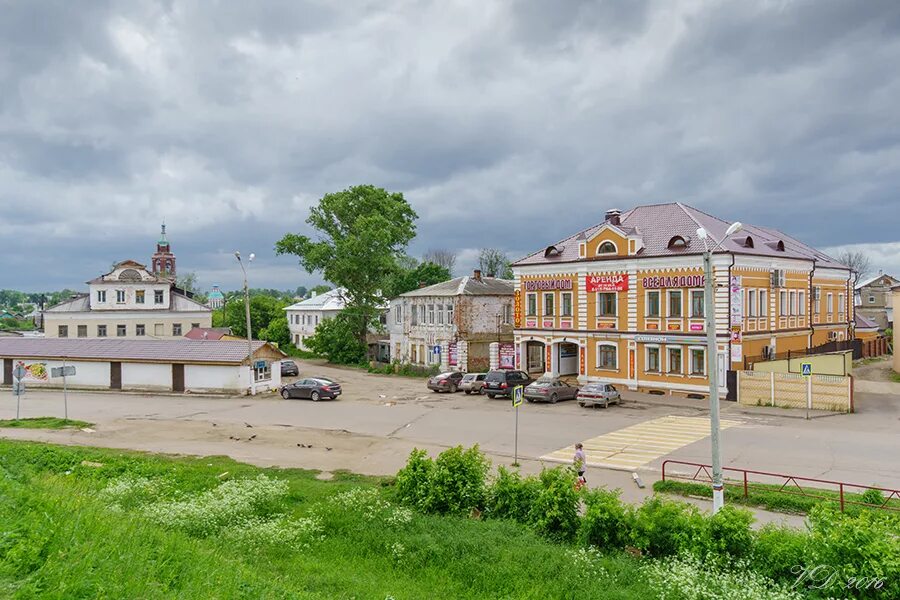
262	370
675	303
101	330
567	304
653	359
674	355
549	299
697	304
121	330
652	304
698	361
62	331
139	296
606	356
82	331
607	248
531	305
606	304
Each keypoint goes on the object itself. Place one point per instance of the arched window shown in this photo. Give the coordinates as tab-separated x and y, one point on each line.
607	248
677	242
129	275
748	242
779	246
552	251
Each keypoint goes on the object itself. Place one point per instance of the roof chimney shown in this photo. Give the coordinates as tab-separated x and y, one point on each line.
477	275
612	216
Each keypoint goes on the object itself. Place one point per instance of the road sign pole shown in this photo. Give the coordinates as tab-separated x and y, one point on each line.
516	454
518	393
808	396
65	393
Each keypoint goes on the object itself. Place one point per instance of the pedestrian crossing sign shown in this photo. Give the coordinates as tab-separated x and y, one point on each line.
518	394
806	369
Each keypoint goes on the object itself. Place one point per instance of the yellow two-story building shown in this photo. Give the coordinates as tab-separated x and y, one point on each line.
623	301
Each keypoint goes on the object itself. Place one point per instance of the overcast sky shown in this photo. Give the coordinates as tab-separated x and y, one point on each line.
504	123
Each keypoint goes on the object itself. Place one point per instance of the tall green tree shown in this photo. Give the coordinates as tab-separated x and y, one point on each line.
362	231
263	310
494	263
405	280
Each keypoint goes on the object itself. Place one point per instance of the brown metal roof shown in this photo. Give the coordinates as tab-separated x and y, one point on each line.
657	224
176	350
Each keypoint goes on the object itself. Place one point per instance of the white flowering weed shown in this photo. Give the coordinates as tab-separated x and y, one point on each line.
128	490
369	504
295	534
398	551
687	578
231	503
586	562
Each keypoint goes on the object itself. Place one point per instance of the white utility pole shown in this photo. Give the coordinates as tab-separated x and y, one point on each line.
237	255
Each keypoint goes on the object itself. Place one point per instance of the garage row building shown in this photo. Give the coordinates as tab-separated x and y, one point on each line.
623	301
182	365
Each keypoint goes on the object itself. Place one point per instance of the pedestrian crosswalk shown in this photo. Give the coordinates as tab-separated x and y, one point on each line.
636	446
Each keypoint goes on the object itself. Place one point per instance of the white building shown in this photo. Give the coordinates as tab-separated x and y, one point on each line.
453	324
304	316
128	302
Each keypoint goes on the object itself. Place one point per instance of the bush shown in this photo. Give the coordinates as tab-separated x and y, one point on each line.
555	510
777	550
872	496
728	533
688	578
511	496
412	480
665	527
456	483
607	521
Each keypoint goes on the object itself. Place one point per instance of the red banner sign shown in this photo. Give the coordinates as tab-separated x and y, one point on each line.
548	284
606	283
517	309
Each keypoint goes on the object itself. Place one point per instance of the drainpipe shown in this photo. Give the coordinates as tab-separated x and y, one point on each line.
728	359
809	309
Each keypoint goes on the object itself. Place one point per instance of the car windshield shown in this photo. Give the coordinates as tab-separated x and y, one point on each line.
287	363
469	377
595	387
444	375
542	383
496	376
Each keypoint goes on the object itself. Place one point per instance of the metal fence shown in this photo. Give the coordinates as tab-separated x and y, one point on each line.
789	390
837	346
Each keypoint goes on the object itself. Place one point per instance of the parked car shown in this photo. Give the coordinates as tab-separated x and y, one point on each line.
445	382
313	388
596	394
473	383
502	381
550	389
289	368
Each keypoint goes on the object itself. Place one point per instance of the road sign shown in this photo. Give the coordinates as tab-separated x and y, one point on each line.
806	369
260	365
19	371
18	388
67	371
518	395
436	350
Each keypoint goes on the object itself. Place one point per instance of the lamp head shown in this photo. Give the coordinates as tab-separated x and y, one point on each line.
701	233
734	228
252	256
237	255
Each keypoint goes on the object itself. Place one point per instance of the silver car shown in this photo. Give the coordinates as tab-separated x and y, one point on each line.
550	389
598	394
472	383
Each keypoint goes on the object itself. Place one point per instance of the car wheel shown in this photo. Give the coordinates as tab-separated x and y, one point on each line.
468	392
554	399
285	395
453	388
581	404
529	400
314	396
482	392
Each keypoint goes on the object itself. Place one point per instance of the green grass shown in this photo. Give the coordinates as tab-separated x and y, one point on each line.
44	423
895	377
766	496
60	539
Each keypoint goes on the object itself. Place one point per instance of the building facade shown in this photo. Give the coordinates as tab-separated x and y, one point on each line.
215	299
623	301
451	325
304	316
127	302
162	263
874	299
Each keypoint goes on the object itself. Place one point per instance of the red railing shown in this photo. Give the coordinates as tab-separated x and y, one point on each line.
790	484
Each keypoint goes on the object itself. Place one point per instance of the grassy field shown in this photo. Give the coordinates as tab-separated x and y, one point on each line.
43	423
93	523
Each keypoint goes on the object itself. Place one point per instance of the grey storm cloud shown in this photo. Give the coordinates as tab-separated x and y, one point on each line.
508	124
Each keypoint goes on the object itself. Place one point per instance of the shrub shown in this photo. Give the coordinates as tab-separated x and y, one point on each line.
413	479
606	521
456	483
728	533
687	578
872	496
511	496
555	510
664	527
777	551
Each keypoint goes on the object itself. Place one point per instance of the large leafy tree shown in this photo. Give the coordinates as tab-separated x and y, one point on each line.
494	263
336	339
263	311
405	280
361	233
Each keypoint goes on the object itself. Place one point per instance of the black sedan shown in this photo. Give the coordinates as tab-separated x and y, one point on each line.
312	388
289	368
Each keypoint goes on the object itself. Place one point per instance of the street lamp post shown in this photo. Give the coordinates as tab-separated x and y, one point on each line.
237	255
718	485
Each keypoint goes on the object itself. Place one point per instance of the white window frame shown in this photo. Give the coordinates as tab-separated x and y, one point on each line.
763	297
597	356
871	299
783	303
751	303
801	303
691	350
829	303
659	311
552	296
161	294
101	332
669	304
450	308
431	314
691	303
680	370
612	243
562	304
414	315
793	302
439	309
615	296
101	296
659	362
140	330
120	296
398	314
531	300
842	305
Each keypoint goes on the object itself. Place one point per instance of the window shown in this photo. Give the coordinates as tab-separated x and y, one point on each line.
871	299
817	297
793	302
195	325
763	303
697	304
567	304
507	314
121	330
606	304
801	301
829	306
159	329
139	296
398	314
440	314
653	359
841	303
82	331
698	361
549	299
677	242
606	356
422	314
751	303
120	296
176	329
652	304
101	295
431	314
675	303
414	314
157	296
506	308
783	302
674	355
63	331
139	329
263	373
317	320
531	302
101	330
606	248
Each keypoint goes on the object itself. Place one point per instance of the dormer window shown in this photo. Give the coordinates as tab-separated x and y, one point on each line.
777	246
748	242
607	248
677	243
552	251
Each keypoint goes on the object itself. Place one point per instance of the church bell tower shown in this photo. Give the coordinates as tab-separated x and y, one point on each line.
163	261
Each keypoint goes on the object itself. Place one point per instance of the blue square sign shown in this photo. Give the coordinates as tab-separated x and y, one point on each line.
806	369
